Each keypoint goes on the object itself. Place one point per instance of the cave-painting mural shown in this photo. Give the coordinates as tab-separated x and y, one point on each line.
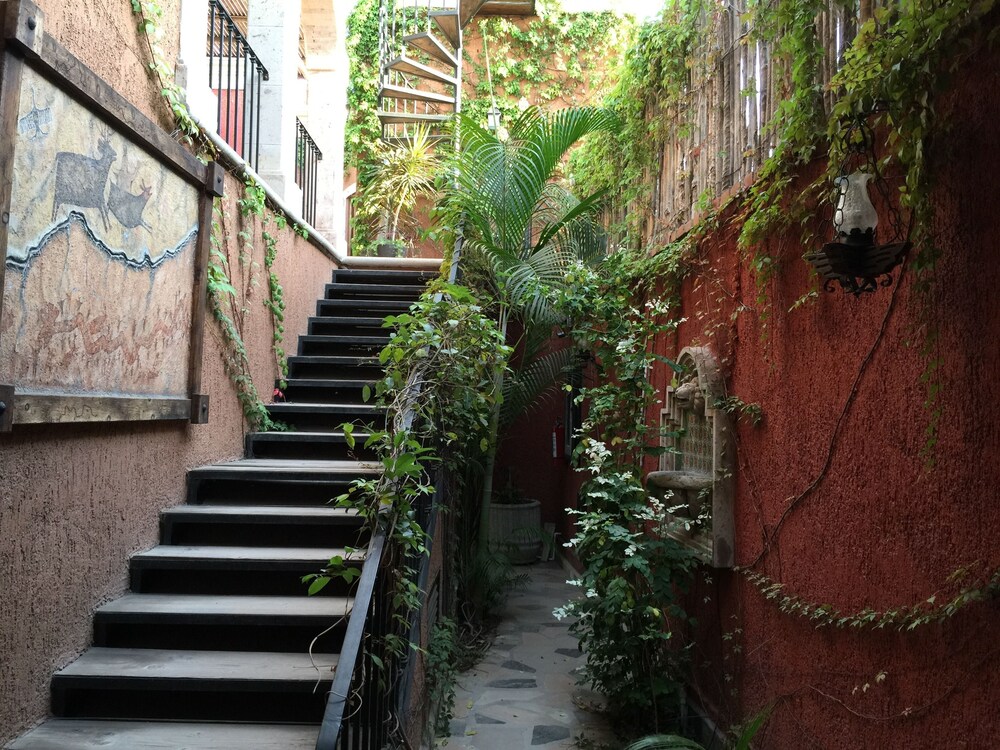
100	257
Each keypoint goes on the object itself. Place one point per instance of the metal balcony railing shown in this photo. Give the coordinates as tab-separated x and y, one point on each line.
236	75
307	158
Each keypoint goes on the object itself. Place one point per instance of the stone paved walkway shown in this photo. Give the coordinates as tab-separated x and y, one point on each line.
524	693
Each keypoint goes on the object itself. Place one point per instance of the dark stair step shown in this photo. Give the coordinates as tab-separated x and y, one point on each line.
93	734
223	623
327	390
308	445
405	93
334	367
340	325
408	66
334	345
193	685
310	417
390	292
402	118
274	482
237	571
447	22
364	308
431	45
277	526
418	279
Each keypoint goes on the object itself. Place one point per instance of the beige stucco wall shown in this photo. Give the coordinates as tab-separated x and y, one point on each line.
77	500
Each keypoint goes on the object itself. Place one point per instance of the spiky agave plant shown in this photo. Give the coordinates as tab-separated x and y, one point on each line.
403	172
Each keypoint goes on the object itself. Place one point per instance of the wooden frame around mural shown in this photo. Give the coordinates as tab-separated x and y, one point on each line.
29	54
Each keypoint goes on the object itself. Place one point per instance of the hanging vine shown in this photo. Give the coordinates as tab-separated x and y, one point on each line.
965	586
150	14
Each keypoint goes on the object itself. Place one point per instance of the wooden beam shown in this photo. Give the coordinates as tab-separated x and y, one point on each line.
215	181
40	408
23	33
199	408
6	408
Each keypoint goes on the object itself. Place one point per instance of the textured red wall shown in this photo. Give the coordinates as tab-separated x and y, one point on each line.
882	528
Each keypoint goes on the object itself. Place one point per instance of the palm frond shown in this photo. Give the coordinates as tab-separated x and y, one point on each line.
526	386
665	742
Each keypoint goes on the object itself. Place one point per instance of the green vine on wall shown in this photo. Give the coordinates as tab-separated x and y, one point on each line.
954	596
556	59
150	13
229	301
363	131
253	203
229	306
652	78
223	295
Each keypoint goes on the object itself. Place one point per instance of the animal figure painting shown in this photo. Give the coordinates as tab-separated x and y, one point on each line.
80	179
98	293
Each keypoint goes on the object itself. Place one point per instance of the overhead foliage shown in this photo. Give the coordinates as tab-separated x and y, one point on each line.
554	59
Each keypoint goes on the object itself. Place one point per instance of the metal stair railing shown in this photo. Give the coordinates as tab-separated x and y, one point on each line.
236	74
307	158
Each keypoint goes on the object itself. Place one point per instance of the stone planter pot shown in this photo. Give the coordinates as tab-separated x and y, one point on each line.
517	530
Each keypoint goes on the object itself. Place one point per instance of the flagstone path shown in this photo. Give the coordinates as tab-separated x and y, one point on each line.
524	694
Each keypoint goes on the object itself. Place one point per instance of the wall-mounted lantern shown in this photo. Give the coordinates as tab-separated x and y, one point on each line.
856	258
494	118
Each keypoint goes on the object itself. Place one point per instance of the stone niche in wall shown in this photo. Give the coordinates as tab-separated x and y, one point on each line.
696	476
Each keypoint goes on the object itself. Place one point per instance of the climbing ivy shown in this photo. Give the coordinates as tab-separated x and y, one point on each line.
150	13
227	301
652	78
363	130
556	59
957	593
253	203
229	292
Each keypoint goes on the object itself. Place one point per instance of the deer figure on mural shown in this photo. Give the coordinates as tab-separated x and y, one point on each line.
81	180
125	205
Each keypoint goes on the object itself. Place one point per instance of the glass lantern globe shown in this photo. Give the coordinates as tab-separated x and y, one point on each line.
855	217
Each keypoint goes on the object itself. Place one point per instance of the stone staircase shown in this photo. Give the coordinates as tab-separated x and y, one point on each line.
210	649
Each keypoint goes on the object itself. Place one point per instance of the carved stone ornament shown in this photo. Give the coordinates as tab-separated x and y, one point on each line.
699	470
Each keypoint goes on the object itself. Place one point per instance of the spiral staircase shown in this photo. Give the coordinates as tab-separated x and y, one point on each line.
420	60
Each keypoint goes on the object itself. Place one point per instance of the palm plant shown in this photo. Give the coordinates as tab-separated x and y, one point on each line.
522	229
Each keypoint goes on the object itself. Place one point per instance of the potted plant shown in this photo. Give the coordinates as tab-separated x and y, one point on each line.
516	524
390	248
405	171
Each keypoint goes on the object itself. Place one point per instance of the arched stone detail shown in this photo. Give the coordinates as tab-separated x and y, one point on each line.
700	463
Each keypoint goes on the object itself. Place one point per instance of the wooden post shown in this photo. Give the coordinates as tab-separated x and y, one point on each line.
13	21
215	183
866	11
6	408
